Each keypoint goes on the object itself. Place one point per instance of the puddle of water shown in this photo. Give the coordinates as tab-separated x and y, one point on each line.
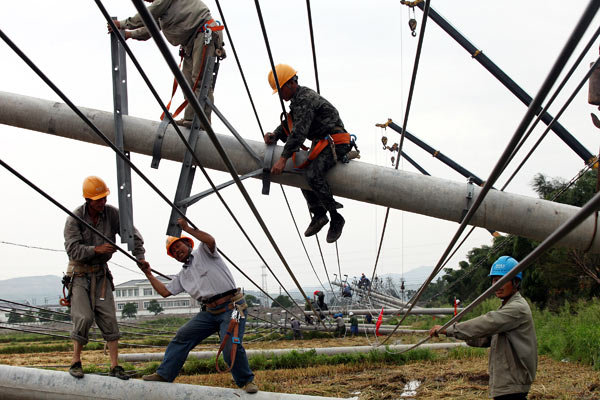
410	389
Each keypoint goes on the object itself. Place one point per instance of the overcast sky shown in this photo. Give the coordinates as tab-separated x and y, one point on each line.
365	58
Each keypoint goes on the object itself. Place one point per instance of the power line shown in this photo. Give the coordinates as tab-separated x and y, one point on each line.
527	118
406	114
189	93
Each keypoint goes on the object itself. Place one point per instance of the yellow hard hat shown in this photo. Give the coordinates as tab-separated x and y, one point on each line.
284	74
172	239
94	188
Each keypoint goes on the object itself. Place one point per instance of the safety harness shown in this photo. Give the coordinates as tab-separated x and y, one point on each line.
237	314
318	146
208	31
77	269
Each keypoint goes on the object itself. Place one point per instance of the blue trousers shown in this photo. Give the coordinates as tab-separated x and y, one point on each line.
195	331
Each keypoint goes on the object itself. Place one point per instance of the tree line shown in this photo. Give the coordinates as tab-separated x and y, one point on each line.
561	275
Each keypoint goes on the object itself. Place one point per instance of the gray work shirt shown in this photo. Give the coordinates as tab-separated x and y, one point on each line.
179	20
80	241
510	334
203	275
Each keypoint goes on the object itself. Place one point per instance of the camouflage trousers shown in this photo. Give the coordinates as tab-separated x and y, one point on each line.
319	198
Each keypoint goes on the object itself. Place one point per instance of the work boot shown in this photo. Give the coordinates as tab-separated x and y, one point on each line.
335	228
76	370
154	378
187	123
250	387
118	372
317	222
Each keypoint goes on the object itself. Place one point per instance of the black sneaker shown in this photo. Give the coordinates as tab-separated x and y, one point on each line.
335	228
118	372
316	224
76	370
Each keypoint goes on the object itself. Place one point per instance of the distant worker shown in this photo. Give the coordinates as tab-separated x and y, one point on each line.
296	328
369	319
364	282
353	324
311	117
309	319
90	281
340	330
188	24
346	292
510	333
320	298
205	277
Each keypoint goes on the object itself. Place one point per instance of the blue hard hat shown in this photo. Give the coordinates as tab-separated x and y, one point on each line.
504	264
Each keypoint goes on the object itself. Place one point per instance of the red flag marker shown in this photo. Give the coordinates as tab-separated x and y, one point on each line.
378	324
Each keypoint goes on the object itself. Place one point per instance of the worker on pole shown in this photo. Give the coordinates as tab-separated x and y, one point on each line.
88	276
189	25
311	117
205	277
508	331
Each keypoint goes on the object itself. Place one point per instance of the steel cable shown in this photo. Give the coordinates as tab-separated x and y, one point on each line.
406	114
185	142
563	57
193	101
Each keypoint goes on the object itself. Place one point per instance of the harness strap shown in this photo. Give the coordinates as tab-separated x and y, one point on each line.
318	147
185	102
233	331
175	85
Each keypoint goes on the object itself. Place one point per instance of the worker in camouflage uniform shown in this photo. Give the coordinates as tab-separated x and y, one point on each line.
510	334
311	117
188	24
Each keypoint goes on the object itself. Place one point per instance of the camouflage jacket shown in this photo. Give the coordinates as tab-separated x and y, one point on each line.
179	20
313	118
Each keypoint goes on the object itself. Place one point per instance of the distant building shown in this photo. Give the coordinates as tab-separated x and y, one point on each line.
140	292
51	307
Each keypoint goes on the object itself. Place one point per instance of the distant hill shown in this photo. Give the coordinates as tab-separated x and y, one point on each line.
34	289
413	278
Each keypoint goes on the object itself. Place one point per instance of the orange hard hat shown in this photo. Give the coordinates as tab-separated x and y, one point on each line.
172	239
94	188
284	74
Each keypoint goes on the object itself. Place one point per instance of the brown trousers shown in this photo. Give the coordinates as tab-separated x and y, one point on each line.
82	313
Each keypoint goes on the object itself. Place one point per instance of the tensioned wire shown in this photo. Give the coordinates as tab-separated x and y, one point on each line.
276	79
558	66
189	94
185	142
406	115
262	132
522	141
285	115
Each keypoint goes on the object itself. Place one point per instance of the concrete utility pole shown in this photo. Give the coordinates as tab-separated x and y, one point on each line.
19	383
439	198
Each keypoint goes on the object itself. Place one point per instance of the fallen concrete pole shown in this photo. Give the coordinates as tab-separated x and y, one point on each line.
19	383
362	328
500	211
330	351
375	295
390	311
